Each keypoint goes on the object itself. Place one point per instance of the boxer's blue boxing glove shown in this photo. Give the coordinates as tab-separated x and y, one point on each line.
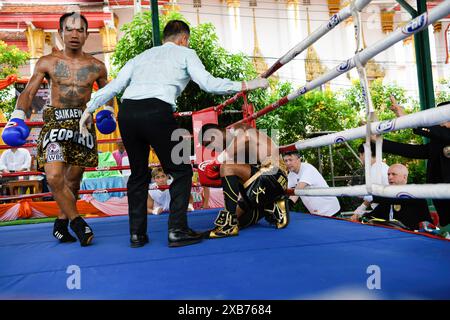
105	120
16	131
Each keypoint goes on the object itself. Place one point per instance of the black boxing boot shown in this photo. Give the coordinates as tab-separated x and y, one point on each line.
82	230
277	213
61	231
226	226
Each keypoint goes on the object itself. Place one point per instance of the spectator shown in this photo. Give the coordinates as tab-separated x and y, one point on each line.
14	160
303	175
436	151
378	175
119	153
410	212
159	200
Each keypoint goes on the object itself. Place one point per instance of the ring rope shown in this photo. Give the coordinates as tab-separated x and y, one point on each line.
94	191
413	26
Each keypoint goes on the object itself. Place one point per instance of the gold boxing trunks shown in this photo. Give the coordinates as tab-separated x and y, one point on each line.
60	141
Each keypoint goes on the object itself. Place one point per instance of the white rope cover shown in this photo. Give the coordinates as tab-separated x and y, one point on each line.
419	191
426	118
336	19
414	26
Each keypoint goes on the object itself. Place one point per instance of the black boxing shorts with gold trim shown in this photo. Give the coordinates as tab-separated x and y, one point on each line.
60	140
267	185
275	213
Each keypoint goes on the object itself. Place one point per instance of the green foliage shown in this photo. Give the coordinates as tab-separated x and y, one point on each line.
7	101
220	64
138	35
138	38
11	58
443	95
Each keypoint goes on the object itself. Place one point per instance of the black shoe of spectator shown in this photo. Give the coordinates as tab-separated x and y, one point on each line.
82	230
138	240
61	231
183	237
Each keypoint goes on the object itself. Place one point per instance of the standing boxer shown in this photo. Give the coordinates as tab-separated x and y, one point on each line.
62	151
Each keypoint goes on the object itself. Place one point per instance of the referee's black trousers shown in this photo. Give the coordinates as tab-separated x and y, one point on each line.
151	122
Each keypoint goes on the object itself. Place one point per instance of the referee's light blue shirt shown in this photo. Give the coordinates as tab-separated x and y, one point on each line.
162	72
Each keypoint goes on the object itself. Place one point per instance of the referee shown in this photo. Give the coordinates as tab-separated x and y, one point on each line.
151	83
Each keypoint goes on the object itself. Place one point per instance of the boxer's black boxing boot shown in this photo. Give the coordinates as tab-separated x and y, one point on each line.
277	214
226	226
61	231
82	230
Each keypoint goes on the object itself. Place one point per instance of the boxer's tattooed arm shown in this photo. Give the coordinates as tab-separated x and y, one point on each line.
62	70
84	73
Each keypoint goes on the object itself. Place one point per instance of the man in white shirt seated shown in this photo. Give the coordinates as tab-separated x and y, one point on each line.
378	175
159	200
14	160
302	176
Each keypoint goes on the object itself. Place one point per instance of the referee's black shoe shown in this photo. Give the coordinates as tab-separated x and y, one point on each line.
183	237
138	240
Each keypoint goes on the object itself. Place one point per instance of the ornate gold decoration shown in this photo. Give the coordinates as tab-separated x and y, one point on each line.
197	5
258	61
35	41
387	20
408	41
233	3
313	66
374	71
437	27
294	5
333	6
109	38
170	7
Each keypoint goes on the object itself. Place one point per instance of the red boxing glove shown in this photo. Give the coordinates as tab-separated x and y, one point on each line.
212	170
209	174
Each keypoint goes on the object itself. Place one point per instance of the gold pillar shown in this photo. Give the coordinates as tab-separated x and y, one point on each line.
387	21
35	41
313	66
109	42
258	60
437	27
294	5
170	7
197	5
234	4
333	6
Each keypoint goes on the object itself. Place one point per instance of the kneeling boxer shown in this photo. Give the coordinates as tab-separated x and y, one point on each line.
250	167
